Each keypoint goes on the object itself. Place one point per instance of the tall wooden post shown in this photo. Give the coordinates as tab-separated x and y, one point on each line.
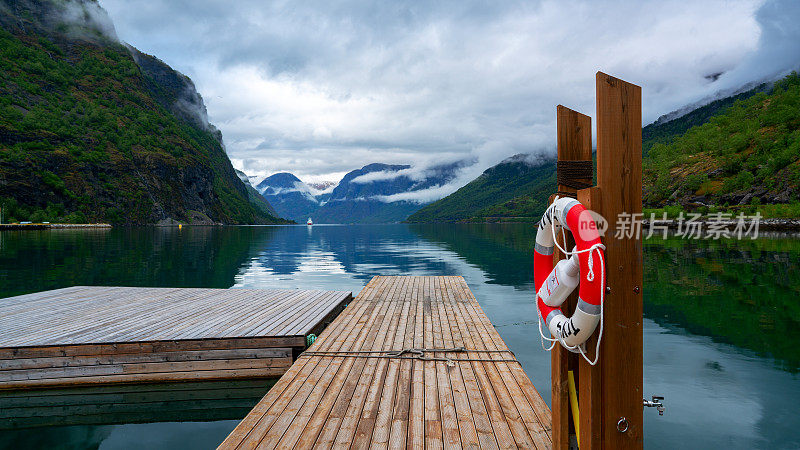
619	177
574	132
610	393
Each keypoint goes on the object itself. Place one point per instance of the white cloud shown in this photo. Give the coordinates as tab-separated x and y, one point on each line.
421	195
412	173
321	88
86	15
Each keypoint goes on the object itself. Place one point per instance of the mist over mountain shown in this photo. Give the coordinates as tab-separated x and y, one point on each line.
291	198
518	186
375	193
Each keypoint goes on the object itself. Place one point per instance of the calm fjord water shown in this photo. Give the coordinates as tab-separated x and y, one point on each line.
721	330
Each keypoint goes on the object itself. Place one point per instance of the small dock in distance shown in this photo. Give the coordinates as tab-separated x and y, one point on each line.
99	335
357	387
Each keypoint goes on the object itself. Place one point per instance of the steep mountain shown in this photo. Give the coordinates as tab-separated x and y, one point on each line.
291	198
255	197
517	187
94	130
381	193
675	123
749	153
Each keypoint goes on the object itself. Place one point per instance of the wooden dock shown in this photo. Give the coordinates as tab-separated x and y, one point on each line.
349	390
86	335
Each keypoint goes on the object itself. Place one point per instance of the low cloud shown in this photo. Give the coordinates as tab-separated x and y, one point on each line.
300	187
85	18
420	196
463	175
412	173
317	192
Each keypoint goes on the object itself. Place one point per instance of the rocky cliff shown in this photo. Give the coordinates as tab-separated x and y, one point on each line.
91	129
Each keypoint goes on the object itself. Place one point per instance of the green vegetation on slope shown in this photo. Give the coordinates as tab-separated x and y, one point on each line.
259	201
512	189
85	136
750	153
663	132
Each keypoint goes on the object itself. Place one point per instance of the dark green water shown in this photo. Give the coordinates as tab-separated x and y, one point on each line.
721	330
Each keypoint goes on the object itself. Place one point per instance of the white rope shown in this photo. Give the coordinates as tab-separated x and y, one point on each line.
589	277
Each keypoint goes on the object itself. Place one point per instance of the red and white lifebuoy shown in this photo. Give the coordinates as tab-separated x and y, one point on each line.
572	216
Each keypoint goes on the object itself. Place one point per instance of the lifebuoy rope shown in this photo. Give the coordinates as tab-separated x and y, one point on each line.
589	277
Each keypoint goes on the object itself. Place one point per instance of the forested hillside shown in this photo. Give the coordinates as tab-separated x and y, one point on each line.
747	154
92	130
668	126
516	189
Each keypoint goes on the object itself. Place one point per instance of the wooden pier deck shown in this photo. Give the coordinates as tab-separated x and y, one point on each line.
84	335
334	396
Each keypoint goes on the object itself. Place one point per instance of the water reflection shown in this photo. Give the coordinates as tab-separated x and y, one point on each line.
32	261
737	292
721	316
718	396
92	417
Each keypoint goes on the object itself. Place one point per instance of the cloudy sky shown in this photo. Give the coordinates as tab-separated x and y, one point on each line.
322	88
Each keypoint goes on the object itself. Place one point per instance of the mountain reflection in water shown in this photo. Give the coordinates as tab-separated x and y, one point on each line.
721	317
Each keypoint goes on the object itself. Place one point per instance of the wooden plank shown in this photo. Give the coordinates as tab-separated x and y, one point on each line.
450	431
348	412
318	430
480	415
113	394
468	437
383	419
221	374
416	425
141	368
619	176
92	315
19	353
521	415
259	418
122	335
331	397
298	427
502	417
191	355
359	400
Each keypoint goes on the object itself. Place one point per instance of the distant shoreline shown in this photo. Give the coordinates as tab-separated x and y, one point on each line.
48	226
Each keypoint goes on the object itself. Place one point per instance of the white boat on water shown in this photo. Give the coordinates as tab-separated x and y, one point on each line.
309	222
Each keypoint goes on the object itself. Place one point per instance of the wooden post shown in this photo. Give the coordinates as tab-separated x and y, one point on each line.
611	390
619	191
574	143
